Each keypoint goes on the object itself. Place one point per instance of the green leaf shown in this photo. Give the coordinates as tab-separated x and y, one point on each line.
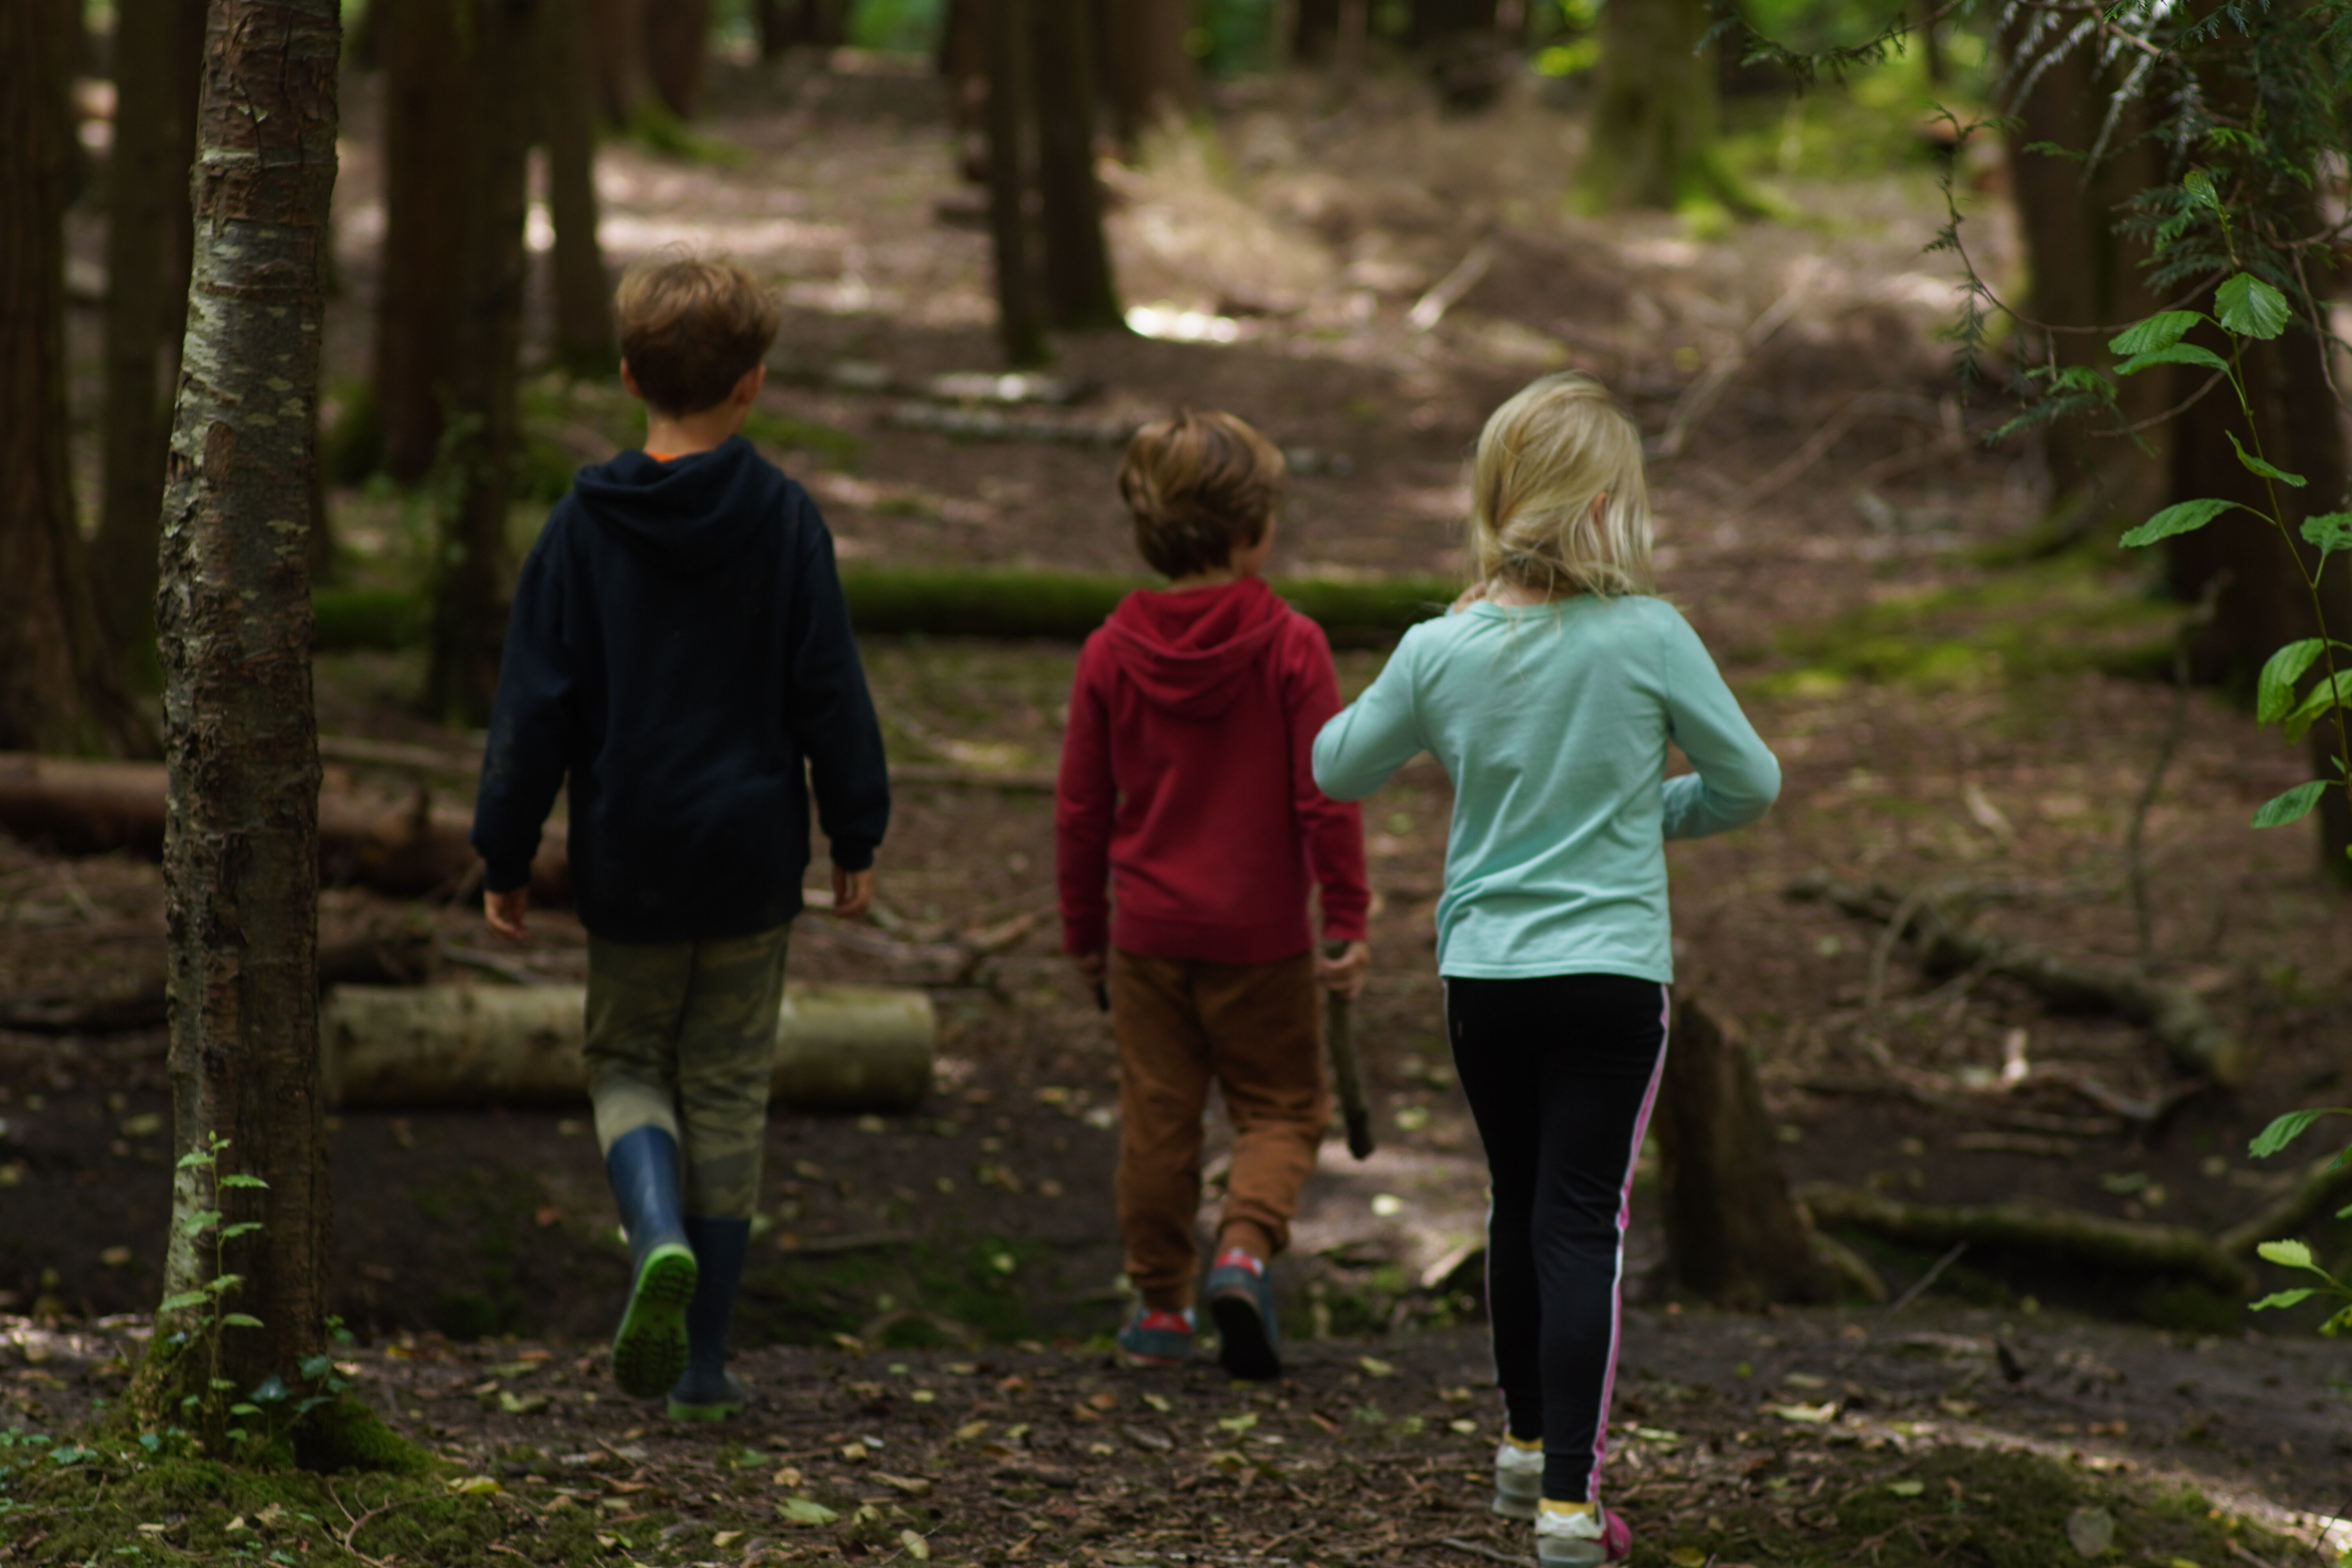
2330	531
2250	307
2284	1129
804	1510
200	1221
2200	186
255	1409
315	1367
242	1182
2293	806
2327	694
2286	1254
2181	517
2179	354
2160	331
183	1301
190	1162
2274	692
240	1320
2254	465
2337	1324
221	1284
2284	1298
243	1227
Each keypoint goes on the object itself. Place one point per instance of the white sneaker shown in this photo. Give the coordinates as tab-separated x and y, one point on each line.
1581	1539
1519	1480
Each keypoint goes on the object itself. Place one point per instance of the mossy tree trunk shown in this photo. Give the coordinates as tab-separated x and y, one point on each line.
1652	142
60	686
472	561
157	48
582	294
677	46
1020	326
240	859
616	55
1079	294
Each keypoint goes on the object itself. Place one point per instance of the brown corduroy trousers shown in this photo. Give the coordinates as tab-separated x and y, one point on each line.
1251	1028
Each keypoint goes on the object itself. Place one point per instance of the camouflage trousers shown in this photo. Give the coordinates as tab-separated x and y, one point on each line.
682	1035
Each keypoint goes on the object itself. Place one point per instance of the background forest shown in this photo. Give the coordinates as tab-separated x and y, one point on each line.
1949	1230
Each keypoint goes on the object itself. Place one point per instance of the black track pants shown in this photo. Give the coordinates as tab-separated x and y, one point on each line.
1561	1073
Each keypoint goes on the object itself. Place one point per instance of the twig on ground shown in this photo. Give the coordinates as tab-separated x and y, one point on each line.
1476	1550
1431	308
1699	398
1935	1272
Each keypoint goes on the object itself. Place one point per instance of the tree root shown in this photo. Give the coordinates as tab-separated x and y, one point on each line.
2059	1232
2190	1036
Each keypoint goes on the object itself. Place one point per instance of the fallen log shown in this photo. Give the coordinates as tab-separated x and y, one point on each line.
2323	1182
404	848
838	1048
2063	1233
1733	1236
390	959
2173	1014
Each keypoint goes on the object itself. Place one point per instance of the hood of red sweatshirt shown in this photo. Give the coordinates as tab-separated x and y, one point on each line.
1189	651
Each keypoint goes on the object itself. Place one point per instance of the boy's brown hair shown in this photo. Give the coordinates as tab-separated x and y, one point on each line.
691	329
1200	486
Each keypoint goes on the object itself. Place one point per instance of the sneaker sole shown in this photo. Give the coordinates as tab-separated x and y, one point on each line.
649	1349
678	1411
1244	1347
1506	1506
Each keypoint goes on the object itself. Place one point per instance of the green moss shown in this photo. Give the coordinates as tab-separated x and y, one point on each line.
765	427
921	1295
1968	1508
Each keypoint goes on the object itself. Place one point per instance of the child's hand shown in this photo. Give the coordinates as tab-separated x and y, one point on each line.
1344	976
1091	966
506	913
853	893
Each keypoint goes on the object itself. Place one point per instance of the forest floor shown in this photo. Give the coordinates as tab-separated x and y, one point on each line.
1950	710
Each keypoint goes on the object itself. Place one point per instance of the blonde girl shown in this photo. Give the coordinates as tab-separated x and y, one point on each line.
1551	694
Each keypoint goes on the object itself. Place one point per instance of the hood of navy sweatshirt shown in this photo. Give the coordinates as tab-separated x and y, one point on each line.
1188	652
690	516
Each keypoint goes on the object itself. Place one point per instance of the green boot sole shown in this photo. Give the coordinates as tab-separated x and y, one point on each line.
649	1349
681	1411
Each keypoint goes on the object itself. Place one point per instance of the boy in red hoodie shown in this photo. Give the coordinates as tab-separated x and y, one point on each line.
1186	786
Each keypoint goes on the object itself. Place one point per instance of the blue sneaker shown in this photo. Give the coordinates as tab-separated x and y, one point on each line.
1157	1337
1241	1299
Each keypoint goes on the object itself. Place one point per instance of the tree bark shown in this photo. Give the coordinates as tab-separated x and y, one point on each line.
677	44
429	146
616	55
240	870
158	50
1653	135
60	686
1433	21
1018	323
2086	274
582	294
1733	1236
1151	75
963	61
471	583
1079	294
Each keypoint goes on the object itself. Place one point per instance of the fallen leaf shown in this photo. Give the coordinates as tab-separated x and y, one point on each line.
529	1404
804	1510
1906	1489
726	1538
969	1430
789	1476
1463	1428
2091	1532
854	1453
1144	1438
1158	1402
1809	1415
1376	1366
1104	1399
911	1486
474	1486
916	1547
546	1214
1388	1205
1242	1422
114	1257
1686	1557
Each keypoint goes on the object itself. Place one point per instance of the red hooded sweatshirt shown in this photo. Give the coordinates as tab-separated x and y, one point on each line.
1187	783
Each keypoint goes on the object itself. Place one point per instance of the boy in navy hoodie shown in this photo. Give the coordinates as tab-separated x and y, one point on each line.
679	651
1185	786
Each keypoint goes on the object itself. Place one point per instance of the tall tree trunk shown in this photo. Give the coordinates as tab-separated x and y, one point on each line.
1151	77
429	146
1018	324
1652	142
678	42
158	51
825	22
778	25
963	61
1436	20
240	856
2086	274
584	342
1079	294
616	55
1314	31
470	586
61	687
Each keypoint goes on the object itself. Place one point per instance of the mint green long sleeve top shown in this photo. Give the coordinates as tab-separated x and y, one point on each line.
1553	723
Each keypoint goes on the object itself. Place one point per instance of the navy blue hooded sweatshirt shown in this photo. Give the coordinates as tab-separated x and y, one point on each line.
680	649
